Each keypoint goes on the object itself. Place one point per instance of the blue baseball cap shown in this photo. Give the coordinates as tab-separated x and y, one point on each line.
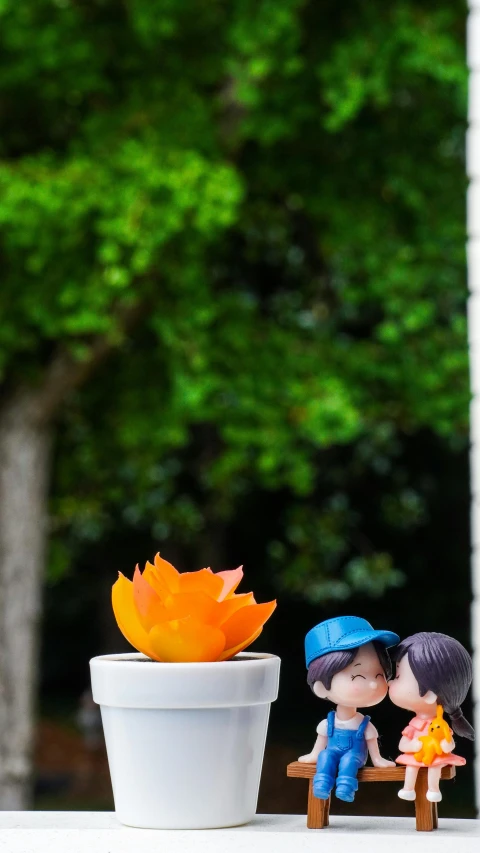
344	632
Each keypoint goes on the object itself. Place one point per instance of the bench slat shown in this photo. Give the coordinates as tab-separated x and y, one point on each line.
299	770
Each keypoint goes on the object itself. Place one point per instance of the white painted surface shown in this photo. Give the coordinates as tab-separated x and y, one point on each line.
473	39
185	742
473	209
474	97
475	369
473	150
473	257
473	311
100	832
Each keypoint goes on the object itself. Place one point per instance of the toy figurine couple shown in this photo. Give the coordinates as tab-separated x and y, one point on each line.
349	665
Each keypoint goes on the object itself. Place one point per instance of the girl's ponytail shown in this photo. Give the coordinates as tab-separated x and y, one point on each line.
460	725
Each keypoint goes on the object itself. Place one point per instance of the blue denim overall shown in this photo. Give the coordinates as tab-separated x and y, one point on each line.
345	753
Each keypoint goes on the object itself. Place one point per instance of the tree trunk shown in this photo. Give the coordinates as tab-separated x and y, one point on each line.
26	432
25	441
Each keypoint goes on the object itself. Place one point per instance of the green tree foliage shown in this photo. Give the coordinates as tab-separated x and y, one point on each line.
278	186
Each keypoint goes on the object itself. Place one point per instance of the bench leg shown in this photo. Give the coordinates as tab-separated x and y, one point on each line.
426	813
318	811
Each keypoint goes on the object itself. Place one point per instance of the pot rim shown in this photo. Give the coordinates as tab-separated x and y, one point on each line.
250	679
242	658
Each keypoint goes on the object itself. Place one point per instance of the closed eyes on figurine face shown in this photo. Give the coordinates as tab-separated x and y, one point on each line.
361	684
358	675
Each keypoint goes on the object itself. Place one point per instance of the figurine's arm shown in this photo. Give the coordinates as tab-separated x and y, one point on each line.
410	744
374	752
312	756
447	745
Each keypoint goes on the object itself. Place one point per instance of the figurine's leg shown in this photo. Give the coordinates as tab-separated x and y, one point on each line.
433	792
324	779
408	790
347	782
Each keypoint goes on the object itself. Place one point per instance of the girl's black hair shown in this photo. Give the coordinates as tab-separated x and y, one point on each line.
442	665
325	667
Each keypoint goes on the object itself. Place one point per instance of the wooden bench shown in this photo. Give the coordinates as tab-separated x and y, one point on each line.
318	811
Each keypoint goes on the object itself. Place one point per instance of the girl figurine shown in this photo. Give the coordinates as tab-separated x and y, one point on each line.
433	670
348	664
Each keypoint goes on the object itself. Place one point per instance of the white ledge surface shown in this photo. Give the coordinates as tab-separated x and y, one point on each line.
100	832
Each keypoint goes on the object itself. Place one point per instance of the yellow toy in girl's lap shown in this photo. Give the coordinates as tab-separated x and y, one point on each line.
438	730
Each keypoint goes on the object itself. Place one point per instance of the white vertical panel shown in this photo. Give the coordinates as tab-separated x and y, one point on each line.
473	38
473	314
475	369
473	151
473	210
473	256
474	97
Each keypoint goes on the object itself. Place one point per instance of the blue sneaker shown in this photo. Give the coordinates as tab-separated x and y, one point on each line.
322	786
346	789
345	794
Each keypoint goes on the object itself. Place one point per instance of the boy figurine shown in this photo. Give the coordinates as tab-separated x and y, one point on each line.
348	664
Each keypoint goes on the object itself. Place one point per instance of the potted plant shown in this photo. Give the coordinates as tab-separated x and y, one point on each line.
185	718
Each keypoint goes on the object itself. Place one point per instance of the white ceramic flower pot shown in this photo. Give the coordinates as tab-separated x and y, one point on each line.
185	741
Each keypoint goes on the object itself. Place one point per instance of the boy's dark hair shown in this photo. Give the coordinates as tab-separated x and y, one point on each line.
325	667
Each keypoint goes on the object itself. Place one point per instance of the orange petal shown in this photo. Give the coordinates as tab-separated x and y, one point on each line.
227	608
230	653
167	573
151	576
195	604
245	622
127	617
202	581
186	640
149	606
231	578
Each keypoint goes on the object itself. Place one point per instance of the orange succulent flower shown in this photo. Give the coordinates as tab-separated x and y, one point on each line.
189	616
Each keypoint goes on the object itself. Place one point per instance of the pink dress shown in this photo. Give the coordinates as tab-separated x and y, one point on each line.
415	728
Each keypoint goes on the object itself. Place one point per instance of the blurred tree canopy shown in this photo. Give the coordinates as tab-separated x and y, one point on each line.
274	191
